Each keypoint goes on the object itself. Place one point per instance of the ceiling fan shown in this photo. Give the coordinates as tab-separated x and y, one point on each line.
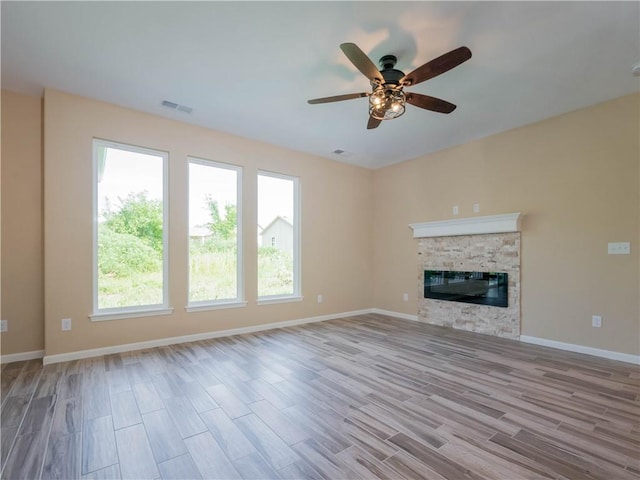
387	98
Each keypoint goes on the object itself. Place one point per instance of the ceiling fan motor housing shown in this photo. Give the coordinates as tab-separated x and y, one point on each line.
390	74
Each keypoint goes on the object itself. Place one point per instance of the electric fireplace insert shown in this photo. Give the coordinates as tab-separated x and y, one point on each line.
483	288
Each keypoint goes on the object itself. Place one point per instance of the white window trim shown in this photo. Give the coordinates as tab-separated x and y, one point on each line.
296	295
119	314
239	301
272	299
138	310
205	306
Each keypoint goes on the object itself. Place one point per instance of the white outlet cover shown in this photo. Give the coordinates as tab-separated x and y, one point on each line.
320	298
405	297
619	248
4	325
66	324
456	210
596	321
476	208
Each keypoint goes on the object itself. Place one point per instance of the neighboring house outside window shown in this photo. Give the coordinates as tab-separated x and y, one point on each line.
279	241
215	236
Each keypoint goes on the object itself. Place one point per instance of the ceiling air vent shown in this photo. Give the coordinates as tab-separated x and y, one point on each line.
176	106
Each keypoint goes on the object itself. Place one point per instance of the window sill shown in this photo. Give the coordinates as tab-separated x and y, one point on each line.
272	300
214	306
121	315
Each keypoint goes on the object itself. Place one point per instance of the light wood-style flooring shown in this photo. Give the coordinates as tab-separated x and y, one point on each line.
363	397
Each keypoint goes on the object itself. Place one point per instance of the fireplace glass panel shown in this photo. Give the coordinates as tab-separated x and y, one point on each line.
483	288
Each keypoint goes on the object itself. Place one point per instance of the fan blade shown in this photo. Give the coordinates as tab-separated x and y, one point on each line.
437	66
373	123
337	98
361	61
430	103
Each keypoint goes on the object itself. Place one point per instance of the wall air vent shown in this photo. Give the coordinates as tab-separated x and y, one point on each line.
176	106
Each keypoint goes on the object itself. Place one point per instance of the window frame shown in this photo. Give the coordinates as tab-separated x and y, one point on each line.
239	300
296	295
117	313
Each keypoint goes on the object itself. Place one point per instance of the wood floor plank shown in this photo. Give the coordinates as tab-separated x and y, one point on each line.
179	468
98	444
199	398
230	403
14	410
134	453
253	467
298	471
124	409
209	457
63	460
164	437
112	472
272	448
328	465
147	398
365	396
229	437
184	416
279	423
364	465
27	456
8	375
6	443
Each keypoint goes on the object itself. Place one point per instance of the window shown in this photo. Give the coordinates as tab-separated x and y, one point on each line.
130	231
278	218
215	246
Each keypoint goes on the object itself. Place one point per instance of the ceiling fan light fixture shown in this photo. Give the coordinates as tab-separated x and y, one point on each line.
387	102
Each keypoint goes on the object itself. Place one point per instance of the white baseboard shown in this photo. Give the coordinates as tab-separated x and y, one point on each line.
597	352
96	352
19	357
404	316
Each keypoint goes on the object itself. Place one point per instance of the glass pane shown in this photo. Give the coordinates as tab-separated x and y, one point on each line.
130	228
213	239
275	236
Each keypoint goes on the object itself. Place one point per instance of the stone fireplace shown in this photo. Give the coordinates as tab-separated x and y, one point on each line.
481	244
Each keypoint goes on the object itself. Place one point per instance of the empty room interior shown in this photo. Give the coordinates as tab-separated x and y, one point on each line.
324	240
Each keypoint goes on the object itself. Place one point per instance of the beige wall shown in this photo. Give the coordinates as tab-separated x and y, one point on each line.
21	186
336	225
575	177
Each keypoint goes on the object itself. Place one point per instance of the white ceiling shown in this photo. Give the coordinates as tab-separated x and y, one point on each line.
248	68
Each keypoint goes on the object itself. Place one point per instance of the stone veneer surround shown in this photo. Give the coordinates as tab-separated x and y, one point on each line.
494	252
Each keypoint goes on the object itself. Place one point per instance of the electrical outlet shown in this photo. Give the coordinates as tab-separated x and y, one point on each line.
320	298
405	297
4	325
66	324
476	208
618	248
456	210
596	321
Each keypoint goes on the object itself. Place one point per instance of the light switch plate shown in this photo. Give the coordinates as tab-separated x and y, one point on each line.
619	248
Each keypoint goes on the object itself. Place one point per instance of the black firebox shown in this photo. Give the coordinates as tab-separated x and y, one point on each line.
484	288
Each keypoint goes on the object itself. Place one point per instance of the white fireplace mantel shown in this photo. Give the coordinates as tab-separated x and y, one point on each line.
508	222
